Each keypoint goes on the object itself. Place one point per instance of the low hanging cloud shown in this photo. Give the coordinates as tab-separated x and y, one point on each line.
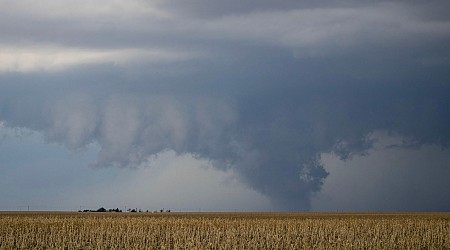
262	92
274	146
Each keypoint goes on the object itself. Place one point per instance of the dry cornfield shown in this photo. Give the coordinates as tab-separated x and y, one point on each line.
224	230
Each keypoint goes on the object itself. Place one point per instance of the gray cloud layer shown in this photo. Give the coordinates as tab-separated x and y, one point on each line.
264	91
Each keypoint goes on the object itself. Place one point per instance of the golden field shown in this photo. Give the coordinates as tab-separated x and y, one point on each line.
45	230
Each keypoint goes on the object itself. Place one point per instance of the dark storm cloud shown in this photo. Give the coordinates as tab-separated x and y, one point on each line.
261	90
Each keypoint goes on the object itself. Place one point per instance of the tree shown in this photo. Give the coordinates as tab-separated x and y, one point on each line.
102	209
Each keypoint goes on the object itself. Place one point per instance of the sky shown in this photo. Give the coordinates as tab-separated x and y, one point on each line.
225	105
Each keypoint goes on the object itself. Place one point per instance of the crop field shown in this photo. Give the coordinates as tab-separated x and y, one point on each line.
46	230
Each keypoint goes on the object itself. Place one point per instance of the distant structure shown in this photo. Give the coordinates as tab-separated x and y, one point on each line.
102	210
117	210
